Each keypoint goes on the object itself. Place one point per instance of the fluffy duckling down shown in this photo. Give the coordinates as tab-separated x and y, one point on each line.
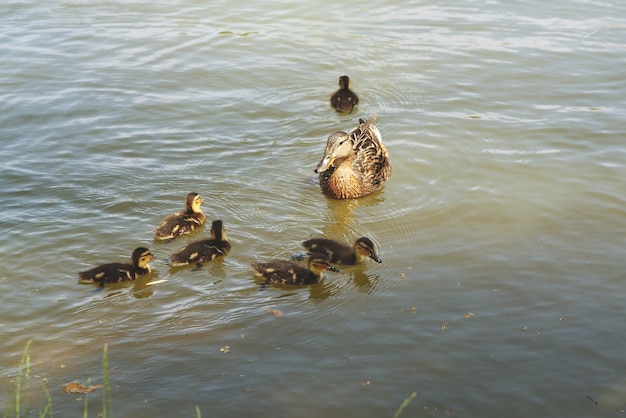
184	222
119	272
199	252
288	272
344	99
339	253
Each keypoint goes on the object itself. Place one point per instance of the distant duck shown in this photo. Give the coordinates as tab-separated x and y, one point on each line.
344	99
184	222
119	272
199	252
354	164
339	253
287	272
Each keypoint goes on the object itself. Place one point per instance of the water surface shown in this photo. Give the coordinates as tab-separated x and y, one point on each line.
502	229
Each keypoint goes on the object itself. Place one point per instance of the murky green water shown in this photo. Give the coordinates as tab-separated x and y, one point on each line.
502	230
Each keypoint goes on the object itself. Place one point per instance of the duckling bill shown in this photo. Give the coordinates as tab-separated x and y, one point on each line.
339	253
344	99
184	222
119	272
288	272
354	164
199	252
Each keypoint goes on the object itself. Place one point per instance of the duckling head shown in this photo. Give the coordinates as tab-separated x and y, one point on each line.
338	148
364	247
344	82
218	232
319	263
141	257
193	202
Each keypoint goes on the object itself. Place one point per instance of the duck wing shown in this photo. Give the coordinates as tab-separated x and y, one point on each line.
178	224
371	159
284	272
336	252
111	273
199	252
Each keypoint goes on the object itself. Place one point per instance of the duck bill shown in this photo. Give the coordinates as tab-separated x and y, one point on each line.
331	268
376	258
325	164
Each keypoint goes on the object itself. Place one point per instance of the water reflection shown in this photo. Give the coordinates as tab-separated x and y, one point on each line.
363	282
141	287
322	291
340	218
329	286
215	268
474	204
317	292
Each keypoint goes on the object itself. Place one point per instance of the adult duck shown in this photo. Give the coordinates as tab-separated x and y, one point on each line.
355	164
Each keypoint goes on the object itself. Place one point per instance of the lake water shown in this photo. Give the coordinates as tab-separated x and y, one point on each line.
502	229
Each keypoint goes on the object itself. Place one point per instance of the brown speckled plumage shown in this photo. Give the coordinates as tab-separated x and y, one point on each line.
199	252
339	253
344	99
118	272
184	222
288	272
354	164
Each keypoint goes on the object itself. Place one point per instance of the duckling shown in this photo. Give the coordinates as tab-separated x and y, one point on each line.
119	272
344	99
183	222
287	272
354	164
204	250
339	253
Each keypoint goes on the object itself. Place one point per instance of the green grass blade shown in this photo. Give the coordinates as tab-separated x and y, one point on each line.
18	380
404	404
48	408
106	395
86	406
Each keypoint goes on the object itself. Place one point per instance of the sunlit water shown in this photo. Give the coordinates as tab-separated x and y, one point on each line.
502	229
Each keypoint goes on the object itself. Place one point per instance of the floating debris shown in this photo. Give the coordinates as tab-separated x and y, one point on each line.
276	312
76	387
155	282
227	32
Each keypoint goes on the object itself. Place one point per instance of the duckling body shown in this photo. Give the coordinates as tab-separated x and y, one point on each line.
355	164
339	253
344	99
199	252
287	272
184	222
119	272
